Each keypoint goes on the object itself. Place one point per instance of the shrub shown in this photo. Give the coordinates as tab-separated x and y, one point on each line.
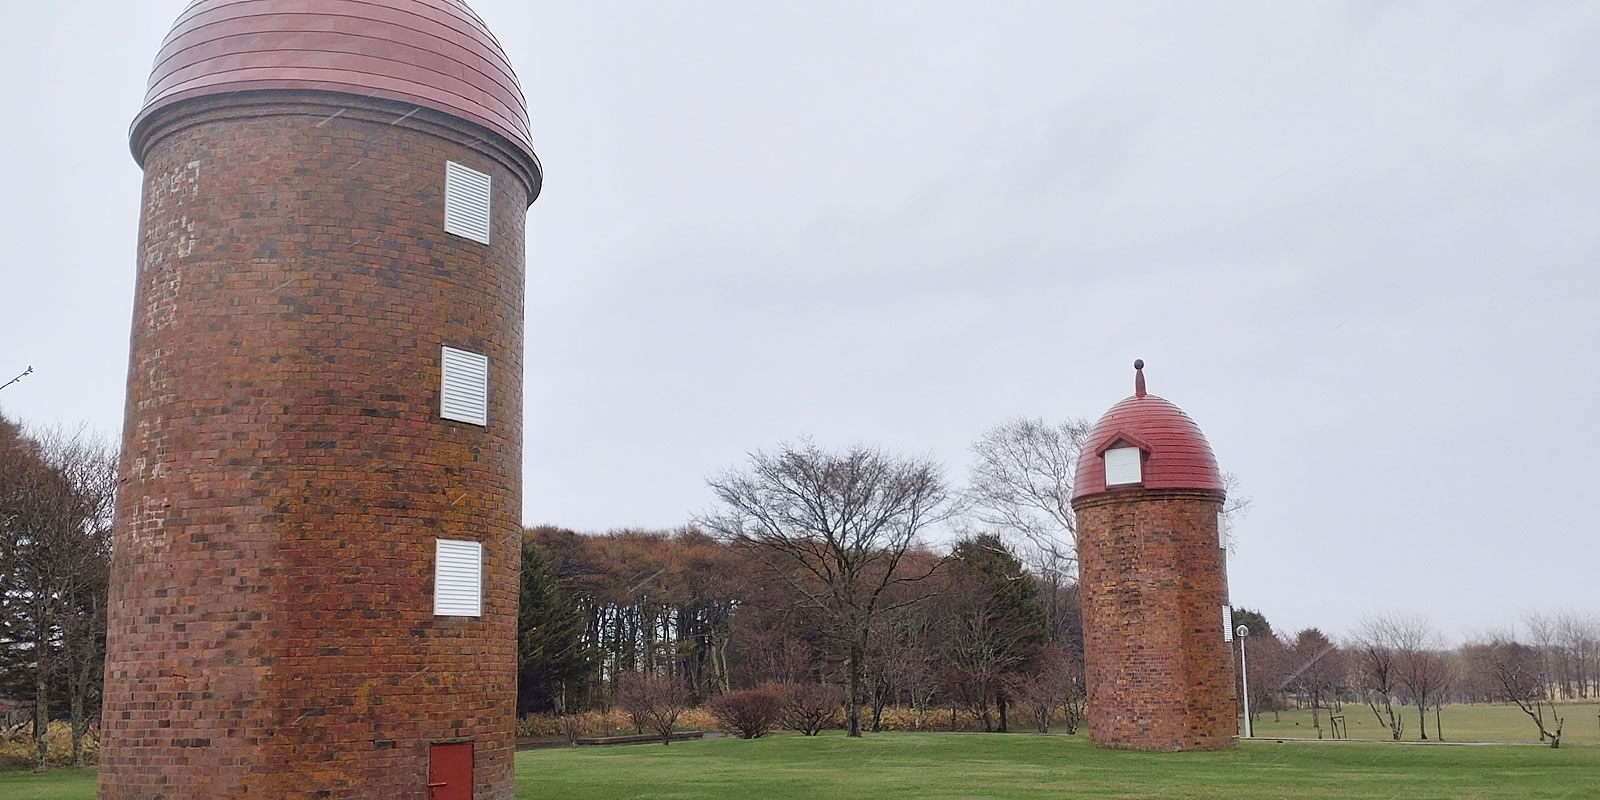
811	707
16	746
750	713
615	722
654	702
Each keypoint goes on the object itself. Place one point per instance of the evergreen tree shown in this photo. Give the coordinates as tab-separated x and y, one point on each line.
1000	621
1255	620
552	660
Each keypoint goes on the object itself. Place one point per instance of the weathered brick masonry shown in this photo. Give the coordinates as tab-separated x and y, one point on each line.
287	472
1160	675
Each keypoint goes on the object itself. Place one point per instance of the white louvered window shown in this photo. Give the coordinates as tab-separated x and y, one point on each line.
458	579
464	393
466	202
1222	529
1227	623
1123	467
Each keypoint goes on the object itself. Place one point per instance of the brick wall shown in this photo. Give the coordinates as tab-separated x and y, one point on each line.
271	627
1154	580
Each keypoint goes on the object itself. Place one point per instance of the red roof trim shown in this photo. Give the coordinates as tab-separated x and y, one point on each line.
1119	437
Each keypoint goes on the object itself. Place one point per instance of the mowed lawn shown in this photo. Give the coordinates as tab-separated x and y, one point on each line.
966	766
1463	723
963	766
61	784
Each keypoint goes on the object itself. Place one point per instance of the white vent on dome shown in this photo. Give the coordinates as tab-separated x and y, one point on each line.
1123	466
466	202
458	579
1227	623
464	390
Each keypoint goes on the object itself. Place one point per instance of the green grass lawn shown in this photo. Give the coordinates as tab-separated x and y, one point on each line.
970	766
1464	723
61	784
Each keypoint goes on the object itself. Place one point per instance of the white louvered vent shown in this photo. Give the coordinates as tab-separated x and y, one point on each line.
458	579
1227	623
1123	467
1222	529
464	391
466	202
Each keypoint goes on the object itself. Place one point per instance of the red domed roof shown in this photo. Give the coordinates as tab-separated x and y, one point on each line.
1177	455
436	54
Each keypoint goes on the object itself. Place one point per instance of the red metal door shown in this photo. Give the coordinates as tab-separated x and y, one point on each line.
450	772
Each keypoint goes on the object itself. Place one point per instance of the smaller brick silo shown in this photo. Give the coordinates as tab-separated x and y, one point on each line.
1148	498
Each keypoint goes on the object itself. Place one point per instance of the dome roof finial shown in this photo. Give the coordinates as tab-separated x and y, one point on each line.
1138	378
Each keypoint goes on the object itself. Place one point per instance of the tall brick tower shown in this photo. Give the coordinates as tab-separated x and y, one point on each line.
1148	498
316	548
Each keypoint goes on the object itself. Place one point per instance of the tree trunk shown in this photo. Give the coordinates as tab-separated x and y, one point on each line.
1000	702
722	658
880	699
79	723
1422	720
89	669
41	693
858	650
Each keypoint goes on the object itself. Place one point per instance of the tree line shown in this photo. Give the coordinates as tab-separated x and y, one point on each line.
813	581
56	495
1398	668
814	571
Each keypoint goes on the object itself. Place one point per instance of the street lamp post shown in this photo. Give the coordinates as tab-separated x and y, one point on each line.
1244	673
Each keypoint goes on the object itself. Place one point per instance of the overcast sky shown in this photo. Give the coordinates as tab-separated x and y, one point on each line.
1356	241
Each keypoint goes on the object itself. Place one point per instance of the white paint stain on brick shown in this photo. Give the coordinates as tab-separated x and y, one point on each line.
166	245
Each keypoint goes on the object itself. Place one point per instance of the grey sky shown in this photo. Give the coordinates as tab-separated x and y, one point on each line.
1356	241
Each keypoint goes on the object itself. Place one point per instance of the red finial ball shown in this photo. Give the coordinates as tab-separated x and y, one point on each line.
1138	363
1138	378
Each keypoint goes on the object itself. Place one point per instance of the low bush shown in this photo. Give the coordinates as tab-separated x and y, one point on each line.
653	702
934	719
811	708
750	713
614	722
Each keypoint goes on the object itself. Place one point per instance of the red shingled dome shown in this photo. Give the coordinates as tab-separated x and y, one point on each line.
436	54
1177	455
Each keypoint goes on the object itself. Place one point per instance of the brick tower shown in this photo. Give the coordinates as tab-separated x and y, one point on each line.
1148	498
316	548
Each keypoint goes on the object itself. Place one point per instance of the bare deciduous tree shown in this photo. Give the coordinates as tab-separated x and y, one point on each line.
1022	482
1021	485
1517	673
1421	668
56	495
1318	668
836	527
655	702
1054	686
1375	656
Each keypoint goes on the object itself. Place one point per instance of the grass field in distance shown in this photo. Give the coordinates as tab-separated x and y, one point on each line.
1463	723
